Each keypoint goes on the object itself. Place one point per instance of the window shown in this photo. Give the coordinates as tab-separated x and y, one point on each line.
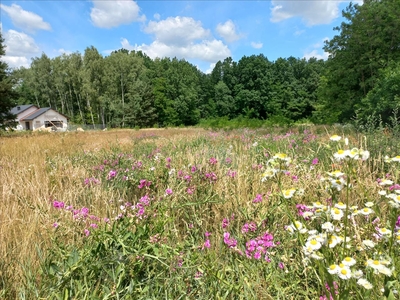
53	124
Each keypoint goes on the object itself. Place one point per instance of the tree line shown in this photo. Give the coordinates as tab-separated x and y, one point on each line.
128	89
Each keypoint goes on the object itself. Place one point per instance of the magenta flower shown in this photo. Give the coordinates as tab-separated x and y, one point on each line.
55	225
213	161
168	192
111	174
225	223
315	161
86	232
258	198
58	204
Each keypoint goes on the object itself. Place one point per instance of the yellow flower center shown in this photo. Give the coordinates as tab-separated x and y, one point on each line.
340	151
383	230
336	211
341	265
348	259
313	242
376	262
366	209
332	267
343	271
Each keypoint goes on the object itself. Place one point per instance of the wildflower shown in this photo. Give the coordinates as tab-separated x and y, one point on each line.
230	242
344	273
206	244
297	226
58	204
366	211
340	205
341	154
335	174
314	161
111	174
281	265
335	138
385	182
225	223
384	231
364	283
369	204
268	173
213	161
337	214
55	225
333	269
168	192
349	261
287	194
313	244
258	198
86	232
358	274
328	226
368	244
283	157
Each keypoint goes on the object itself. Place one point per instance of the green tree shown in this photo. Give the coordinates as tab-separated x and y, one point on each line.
368	41
7	94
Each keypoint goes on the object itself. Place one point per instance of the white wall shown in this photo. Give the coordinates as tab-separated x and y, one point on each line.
50	115
26	112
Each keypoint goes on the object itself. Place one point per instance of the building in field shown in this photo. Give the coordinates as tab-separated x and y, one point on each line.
30	117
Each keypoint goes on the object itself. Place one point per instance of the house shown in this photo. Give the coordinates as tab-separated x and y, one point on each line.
30	117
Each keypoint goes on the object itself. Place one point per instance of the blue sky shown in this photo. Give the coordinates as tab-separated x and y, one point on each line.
202	32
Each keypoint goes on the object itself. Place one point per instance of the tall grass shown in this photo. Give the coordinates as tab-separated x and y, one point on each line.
171	213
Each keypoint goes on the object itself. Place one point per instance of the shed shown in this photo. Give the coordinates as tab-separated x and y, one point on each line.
30	117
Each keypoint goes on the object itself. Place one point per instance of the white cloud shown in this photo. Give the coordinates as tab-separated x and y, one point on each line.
178	31
207	50
228	31
181	37
256	45
16	61
20	48
210	69
108	14
25	20
312	12
316	49
157	16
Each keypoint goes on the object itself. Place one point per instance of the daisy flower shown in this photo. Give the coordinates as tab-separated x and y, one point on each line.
335	138
364	283
287	194
333	269
349	261
337	214
344	273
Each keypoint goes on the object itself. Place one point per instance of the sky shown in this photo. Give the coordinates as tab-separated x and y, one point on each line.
201	32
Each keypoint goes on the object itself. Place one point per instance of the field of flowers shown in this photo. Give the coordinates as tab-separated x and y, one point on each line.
301	213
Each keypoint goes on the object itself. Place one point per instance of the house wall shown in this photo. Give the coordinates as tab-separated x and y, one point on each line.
50	115
26	112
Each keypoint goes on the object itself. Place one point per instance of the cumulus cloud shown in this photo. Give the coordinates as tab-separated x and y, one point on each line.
256	45
20	48
228	31
178	31
312	12
108	14
316	51
181	37
25	20
207	50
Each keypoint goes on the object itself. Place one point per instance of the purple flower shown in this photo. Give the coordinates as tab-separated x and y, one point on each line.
281	265
258	198
168	192
213	161
206	244
86	232
315	161
225	223
55	225
58	204
111	174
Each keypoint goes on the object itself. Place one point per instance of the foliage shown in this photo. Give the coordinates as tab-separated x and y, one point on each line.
366	44
7	94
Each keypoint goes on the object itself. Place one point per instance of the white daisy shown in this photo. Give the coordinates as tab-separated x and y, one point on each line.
335	138
364	283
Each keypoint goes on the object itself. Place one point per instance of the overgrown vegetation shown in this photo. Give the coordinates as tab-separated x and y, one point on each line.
275	213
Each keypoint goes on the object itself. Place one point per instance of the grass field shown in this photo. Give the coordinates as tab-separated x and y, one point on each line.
301	213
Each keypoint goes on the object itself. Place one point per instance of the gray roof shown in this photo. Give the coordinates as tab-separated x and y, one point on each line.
36	114
16	111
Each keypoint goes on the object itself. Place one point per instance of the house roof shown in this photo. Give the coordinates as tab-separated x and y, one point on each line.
36	114
20	108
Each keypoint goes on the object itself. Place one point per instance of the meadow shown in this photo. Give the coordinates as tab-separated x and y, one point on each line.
280	213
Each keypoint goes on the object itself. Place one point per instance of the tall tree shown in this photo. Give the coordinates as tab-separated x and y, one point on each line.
7	94
367	42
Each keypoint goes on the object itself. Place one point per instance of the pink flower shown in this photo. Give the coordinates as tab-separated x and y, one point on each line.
55	225
206	244
213	161
258	198
58	204
168	192
315	161
225	223
86	232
